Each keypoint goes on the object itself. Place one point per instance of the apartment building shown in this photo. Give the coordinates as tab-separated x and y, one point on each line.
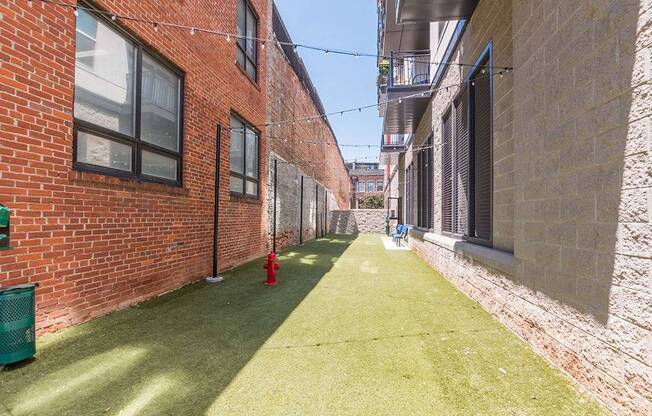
108	133
529	188
366	179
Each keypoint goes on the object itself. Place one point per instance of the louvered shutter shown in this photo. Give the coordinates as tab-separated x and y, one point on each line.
447	174
461	165
482	158
430	193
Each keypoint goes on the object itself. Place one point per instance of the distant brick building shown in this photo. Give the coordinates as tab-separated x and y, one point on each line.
107	149
366	179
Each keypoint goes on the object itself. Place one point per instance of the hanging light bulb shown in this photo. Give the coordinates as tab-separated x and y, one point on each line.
75	11
192	31
228	38
113	17
155	27
484	71
262	45
29	3
501	74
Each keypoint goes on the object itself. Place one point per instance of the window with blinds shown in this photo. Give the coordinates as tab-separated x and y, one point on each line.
482	156
467	161
447	173
424	185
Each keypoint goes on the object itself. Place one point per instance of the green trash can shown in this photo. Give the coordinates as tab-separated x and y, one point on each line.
17	336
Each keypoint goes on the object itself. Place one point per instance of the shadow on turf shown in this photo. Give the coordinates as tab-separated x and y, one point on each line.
172	355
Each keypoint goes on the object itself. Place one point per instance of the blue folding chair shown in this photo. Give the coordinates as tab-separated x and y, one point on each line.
401	233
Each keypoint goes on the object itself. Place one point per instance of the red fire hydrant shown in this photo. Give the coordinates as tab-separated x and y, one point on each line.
271	267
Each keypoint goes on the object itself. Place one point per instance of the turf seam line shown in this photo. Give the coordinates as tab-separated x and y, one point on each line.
374	339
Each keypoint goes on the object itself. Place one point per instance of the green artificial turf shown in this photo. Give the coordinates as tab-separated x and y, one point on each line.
351	329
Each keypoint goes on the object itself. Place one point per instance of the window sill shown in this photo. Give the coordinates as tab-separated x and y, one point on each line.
82	177
246	74
499	260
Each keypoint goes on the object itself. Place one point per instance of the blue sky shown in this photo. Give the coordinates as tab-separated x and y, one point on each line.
343	82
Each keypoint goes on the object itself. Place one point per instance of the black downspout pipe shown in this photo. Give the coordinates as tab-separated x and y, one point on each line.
325	225
274	226
301	213
218	165
316	211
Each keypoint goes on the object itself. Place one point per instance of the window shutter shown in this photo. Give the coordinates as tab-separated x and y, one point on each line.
447	174
482	159
461	165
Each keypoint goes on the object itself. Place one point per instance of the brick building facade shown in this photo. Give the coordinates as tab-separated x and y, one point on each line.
312	177
367	179
539	208
107	160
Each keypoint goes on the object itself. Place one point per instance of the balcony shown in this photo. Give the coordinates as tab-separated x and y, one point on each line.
394	37
394	142
409	75
419	11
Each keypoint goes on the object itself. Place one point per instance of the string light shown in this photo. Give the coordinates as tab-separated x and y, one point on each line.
258	39
75	11
113	17
29	3
228	38
192	31
155	27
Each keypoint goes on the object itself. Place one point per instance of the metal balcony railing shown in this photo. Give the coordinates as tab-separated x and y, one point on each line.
409	69
395	140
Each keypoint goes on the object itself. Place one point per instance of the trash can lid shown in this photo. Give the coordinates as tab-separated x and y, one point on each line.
17	288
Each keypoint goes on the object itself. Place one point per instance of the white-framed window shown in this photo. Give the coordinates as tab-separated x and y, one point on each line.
361	186
371	186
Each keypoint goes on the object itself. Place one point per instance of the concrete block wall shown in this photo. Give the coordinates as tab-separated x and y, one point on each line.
572	134
354	221
289	203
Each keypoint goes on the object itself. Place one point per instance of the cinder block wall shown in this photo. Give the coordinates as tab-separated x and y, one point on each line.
96	243
354	221
570	272
315	202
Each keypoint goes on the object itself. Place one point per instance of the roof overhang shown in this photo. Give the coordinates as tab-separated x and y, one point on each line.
404	116
404	37
418	11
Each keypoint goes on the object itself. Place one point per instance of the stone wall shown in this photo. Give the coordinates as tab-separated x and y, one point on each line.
569	270
354	221
293	227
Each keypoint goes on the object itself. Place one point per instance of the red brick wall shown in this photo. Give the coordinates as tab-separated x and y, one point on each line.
96	243
289	99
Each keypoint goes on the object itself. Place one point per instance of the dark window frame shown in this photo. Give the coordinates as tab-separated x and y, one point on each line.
137	145
244	176
485	58
248	6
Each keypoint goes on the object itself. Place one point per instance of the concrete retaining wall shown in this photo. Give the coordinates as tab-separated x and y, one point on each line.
353	221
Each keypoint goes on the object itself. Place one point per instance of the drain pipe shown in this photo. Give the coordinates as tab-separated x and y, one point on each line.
215	277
